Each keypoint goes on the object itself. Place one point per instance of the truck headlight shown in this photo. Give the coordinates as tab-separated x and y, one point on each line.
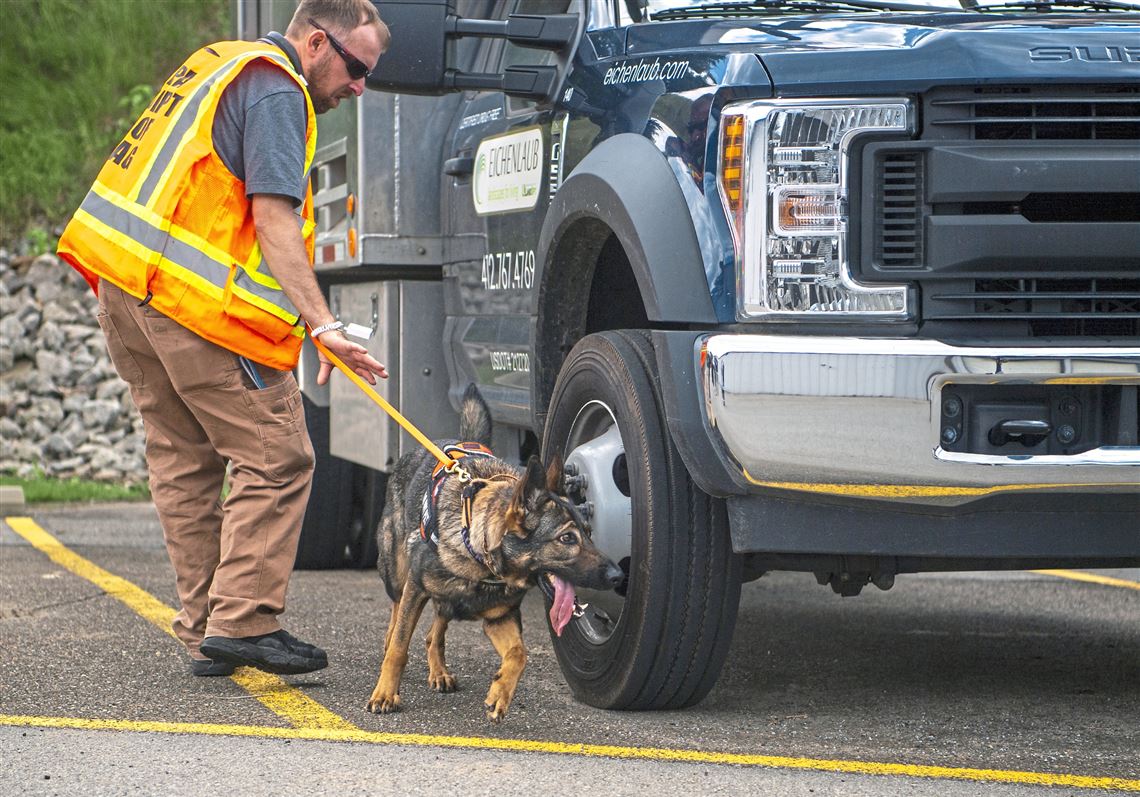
783	177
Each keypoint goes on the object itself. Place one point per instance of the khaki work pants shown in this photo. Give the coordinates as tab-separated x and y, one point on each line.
232	560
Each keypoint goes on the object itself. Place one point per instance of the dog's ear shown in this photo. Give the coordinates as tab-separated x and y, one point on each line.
535	489
554	475
496	532
528	496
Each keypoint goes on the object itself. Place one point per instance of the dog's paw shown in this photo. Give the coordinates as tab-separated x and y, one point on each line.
497	702
442	682
496	712
381	703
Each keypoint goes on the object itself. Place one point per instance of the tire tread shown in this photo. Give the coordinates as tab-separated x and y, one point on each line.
702	573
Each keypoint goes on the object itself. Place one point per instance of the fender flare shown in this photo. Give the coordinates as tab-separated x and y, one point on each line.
626	183
624	186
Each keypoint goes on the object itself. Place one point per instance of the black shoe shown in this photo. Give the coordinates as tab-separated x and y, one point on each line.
207	667
278	653
303	648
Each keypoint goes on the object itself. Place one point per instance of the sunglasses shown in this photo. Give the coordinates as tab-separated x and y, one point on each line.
356	68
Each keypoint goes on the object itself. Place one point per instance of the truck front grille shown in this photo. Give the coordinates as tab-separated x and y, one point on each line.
898	220
999	250
1004	114
1046	307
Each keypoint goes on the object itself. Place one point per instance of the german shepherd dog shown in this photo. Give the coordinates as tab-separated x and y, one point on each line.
474	548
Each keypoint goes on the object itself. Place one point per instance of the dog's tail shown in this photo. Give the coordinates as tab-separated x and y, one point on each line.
474	418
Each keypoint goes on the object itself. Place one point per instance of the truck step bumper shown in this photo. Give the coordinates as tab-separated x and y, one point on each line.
922	422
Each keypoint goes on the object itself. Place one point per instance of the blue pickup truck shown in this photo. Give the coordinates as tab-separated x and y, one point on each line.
848	287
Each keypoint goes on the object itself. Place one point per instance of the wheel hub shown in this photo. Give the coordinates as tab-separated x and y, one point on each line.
597	472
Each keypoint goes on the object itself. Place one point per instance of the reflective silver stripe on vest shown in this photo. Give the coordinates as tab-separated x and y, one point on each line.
247	282
275	297
157	240
167	247
187	119
128	224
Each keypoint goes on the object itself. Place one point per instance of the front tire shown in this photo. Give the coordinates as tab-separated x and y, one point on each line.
661	643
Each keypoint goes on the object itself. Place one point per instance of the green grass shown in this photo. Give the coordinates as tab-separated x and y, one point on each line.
42	489
74	75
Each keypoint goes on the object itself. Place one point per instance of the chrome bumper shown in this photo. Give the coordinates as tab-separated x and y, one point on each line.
861	417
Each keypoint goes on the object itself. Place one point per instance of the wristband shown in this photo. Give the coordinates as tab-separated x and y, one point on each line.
323	328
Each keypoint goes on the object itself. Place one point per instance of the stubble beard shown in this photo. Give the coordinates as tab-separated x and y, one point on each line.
322	101
321	104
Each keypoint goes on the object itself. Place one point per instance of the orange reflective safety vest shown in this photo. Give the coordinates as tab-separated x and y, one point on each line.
167	222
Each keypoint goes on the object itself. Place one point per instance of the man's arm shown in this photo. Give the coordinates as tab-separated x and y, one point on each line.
279	234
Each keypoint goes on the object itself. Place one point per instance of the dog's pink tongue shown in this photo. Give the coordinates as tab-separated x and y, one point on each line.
563	608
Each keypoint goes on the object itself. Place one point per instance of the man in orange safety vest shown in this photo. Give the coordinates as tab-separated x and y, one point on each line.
198	237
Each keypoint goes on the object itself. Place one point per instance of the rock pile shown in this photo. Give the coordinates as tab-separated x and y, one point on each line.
63	409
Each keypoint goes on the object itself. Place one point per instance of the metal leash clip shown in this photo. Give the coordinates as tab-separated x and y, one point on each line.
455	469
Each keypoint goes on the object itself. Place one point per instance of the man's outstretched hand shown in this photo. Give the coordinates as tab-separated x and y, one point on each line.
351	354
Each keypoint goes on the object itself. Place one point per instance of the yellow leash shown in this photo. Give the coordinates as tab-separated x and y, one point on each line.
451	465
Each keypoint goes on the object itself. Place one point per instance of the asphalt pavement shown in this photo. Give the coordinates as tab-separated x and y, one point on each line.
965	683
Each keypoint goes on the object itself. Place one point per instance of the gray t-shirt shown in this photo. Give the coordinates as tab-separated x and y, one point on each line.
259	131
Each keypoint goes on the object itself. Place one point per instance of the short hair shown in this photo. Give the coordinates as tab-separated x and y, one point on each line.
340	16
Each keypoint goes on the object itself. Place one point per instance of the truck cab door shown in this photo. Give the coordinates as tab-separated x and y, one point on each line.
498	186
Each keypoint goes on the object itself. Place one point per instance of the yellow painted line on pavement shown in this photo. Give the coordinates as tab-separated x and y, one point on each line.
284	700
316	723
589	751
1092	578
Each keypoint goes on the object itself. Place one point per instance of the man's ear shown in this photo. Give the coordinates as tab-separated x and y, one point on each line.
313	42
554	475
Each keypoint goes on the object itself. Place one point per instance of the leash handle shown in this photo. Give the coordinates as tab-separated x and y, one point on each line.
384	405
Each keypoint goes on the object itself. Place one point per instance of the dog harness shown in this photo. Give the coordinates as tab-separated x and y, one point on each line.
429	524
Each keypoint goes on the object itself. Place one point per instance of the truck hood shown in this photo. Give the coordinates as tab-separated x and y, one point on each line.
884	53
